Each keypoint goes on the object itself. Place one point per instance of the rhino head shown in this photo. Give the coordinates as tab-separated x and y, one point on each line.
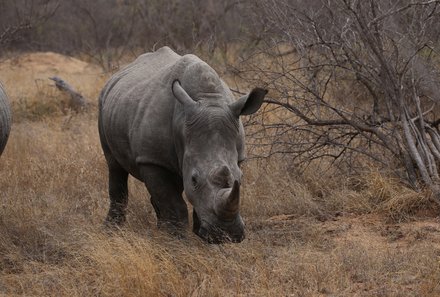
212	146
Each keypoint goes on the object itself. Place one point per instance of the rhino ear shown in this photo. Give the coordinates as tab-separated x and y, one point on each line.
180	94
250	103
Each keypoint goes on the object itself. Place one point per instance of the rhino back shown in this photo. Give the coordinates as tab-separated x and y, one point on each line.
5	119
136	109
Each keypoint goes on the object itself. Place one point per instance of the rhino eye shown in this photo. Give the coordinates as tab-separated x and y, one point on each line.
195	180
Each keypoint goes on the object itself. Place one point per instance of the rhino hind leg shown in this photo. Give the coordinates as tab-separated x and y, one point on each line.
166	190
118	192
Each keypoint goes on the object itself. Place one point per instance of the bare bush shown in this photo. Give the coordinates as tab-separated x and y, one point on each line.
352	78
19	18
107	31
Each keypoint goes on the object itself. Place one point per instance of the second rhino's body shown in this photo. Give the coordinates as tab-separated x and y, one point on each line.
5	119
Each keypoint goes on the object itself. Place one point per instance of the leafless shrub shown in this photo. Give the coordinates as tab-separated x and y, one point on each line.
349	79
18	18
107	31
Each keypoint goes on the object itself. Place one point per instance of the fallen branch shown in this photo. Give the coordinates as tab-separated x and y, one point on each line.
76	101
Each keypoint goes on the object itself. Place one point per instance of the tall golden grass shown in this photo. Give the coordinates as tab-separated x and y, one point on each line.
315	234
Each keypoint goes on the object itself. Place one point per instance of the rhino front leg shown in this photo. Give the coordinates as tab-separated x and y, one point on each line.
166	190
118	192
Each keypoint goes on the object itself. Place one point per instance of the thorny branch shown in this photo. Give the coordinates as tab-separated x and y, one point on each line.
351	78
31	16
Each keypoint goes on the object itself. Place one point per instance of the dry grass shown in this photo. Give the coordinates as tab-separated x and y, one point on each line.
309	235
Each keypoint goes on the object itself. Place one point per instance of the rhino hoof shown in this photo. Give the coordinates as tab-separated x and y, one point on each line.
113	221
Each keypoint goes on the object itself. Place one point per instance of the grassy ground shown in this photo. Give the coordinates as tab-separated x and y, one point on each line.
309	235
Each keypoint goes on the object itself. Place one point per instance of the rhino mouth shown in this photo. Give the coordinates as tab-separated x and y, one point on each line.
216	235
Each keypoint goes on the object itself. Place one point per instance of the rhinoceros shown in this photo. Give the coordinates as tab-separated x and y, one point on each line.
5	119
171	122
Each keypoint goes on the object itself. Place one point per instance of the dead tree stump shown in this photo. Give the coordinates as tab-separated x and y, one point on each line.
75	101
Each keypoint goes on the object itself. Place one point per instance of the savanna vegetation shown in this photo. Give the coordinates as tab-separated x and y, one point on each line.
340	191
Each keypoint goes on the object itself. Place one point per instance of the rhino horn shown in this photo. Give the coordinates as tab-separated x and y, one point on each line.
228	202
181	94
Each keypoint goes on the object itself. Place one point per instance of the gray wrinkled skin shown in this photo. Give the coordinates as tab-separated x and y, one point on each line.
171	122
5	119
